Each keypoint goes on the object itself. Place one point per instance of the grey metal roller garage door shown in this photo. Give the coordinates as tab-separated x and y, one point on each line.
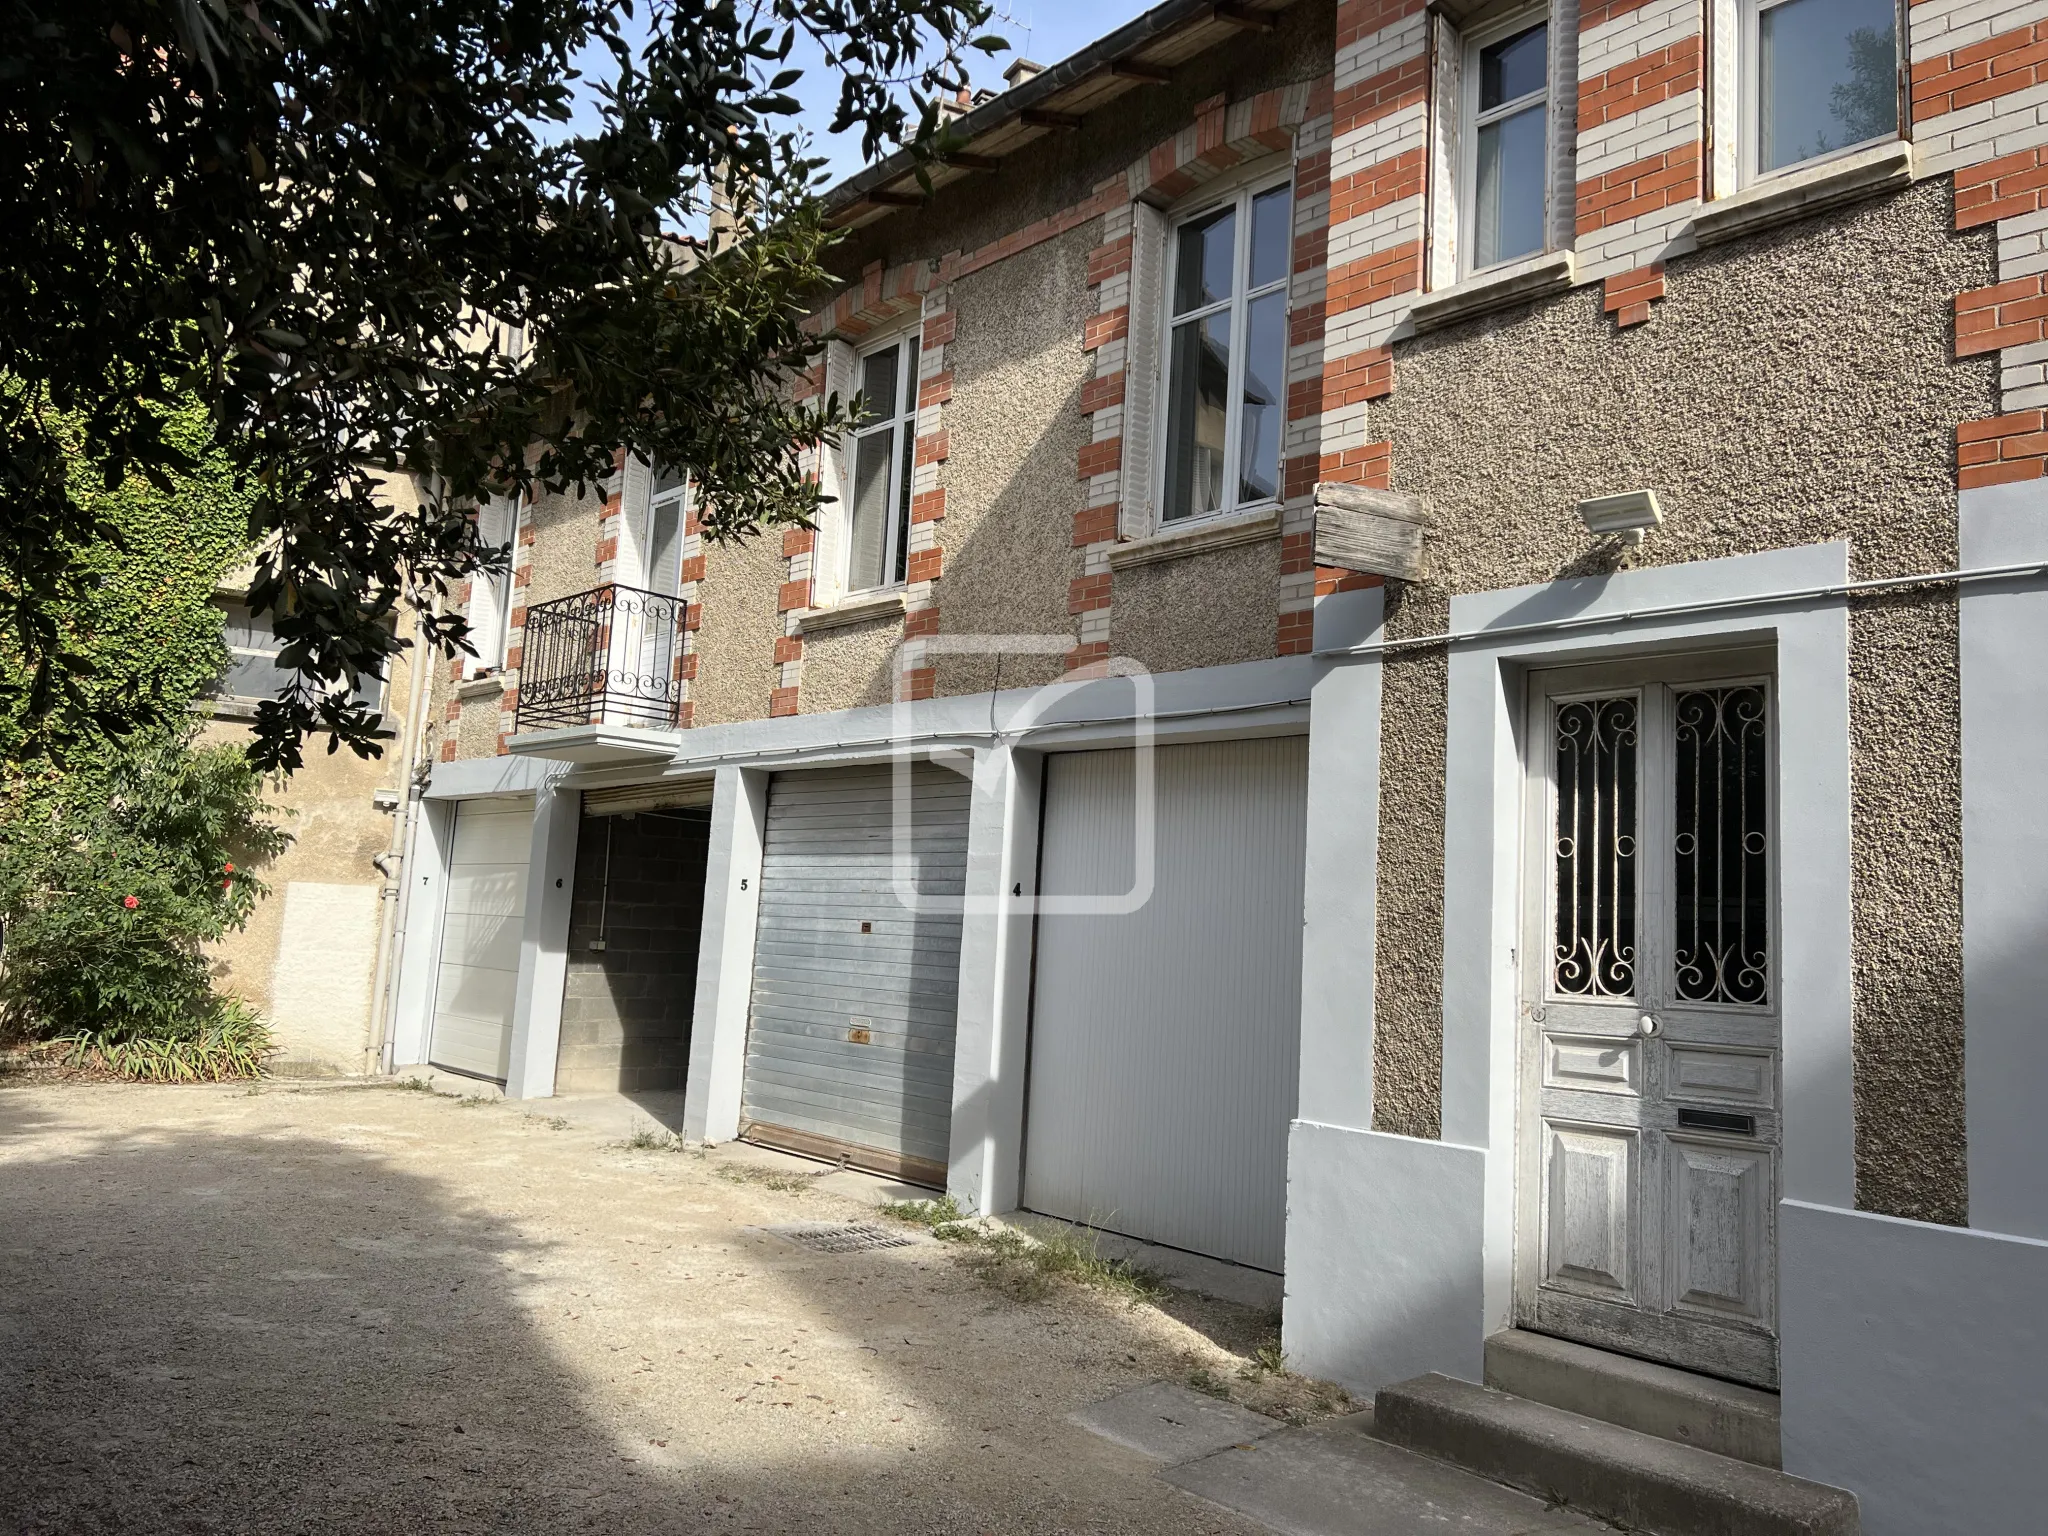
850	1046
481	926
1165	1041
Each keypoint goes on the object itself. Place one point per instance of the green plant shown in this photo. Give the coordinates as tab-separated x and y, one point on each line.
374	236
230	1045
924	1213
768	1178
109	907
648	1138
1029	1267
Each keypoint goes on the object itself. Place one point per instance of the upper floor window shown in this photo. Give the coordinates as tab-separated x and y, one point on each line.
1226	354
1820	76
254	673
1506	134
881	449
490	592
661	535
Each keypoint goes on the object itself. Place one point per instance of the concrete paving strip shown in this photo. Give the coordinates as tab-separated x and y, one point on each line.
1335	1480
1171	1424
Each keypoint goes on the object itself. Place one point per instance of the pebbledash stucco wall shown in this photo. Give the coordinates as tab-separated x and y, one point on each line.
1796	387
736	646
1016	430
1011	483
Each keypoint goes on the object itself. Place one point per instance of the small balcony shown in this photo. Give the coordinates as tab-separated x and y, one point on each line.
612	656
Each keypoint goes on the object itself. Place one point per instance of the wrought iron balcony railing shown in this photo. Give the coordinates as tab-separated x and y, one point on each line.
609	656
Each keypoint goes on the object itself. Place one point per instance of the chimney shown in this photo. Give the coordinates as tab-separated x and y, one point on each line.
954	107
1021	71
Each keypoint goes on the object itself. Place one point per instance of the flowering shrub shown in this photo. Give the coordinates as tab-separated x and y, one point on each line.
109	906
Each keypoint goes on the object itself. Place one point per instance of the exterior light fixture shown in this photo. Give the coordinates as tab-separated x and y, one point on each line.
1629	514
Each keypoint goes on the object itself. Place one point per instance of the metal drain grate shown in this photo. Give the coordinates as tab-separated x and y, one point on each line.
841	1236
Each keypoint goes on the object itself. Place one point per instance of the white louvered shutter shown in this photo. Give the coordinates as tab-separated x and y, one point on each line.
1445	177
828	560
1136	516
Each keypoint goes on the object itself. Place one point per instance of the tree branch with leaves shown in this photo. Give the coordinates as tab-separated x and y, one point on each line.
362	236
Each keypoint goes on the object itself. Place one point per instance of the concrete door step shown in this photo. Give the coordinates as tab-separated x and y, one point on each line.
1635	1480
1658	1400
1335	1479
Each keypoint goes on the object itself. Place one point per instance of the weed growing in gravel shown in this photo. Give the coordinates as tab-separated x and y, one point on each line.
648	1138
1029	1268
924	1213
414	1085
769	1178
1269	1358
471	1100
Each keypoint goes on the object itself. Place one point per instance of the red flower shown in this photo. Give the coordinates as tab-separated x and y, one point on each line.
229	870
130	903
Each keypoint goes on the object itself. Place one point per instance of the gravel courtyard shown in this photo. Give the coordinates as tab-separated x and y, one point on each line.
324	1309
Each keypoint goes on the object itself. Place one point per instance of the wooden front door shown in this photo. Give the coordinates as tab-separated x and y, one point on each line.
1649	1132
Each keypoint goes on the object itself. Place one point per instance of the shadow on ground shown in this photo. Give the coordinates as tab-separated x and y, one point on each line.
272	1330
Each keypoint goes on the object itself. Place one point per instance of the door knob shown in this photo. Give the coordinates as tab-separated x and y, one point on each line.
1648	1026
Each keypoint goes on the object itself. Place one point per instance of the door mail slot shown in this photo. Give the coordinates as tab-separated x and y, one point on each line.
1721	1120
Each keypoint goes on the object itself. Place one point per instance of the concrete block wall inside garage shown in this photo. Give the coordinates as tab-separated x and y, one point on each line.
632	955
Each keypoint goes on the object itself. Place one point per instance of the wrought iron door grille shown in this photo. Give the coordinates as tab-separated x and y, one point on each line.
609	656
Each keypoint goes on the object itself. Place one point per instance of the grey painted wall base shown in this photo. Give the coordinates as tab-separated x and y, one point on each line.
1915	1363
1385	1271
2004	641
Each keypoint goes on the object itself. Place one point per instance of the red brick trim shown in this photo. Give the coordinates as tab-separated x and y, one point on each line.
1109	195
1387	181
1997	66
2005	315
1593	15
1371	278
1642	187
1101	458
1627	295
798	541
781	702
1223	134
2002	189
1641	82
793	595
1334	578
1378	95
1371	466
1998	449
1360	19
1100	330
1085	594
1101	392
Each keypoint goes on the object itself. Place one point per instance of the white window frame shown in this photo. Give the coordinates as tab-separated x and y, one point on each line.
1240	191
896	537
1471	120
1749	96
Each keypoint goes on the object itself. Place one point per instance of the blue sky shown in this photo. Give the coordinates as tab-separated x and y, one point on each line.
1043	30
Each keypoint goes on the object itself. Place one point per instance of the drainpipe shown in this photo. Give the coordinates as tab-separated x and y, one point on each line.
395	897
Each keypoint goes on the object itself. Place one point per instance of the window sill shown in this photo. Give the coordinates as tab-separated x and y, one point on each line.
486	687
1534	278
1198	538
863	609
1793	195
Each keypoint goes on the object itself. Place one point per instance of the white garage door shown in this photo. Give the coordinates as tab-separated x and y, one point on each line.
850	1049
480	930
1164	1042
